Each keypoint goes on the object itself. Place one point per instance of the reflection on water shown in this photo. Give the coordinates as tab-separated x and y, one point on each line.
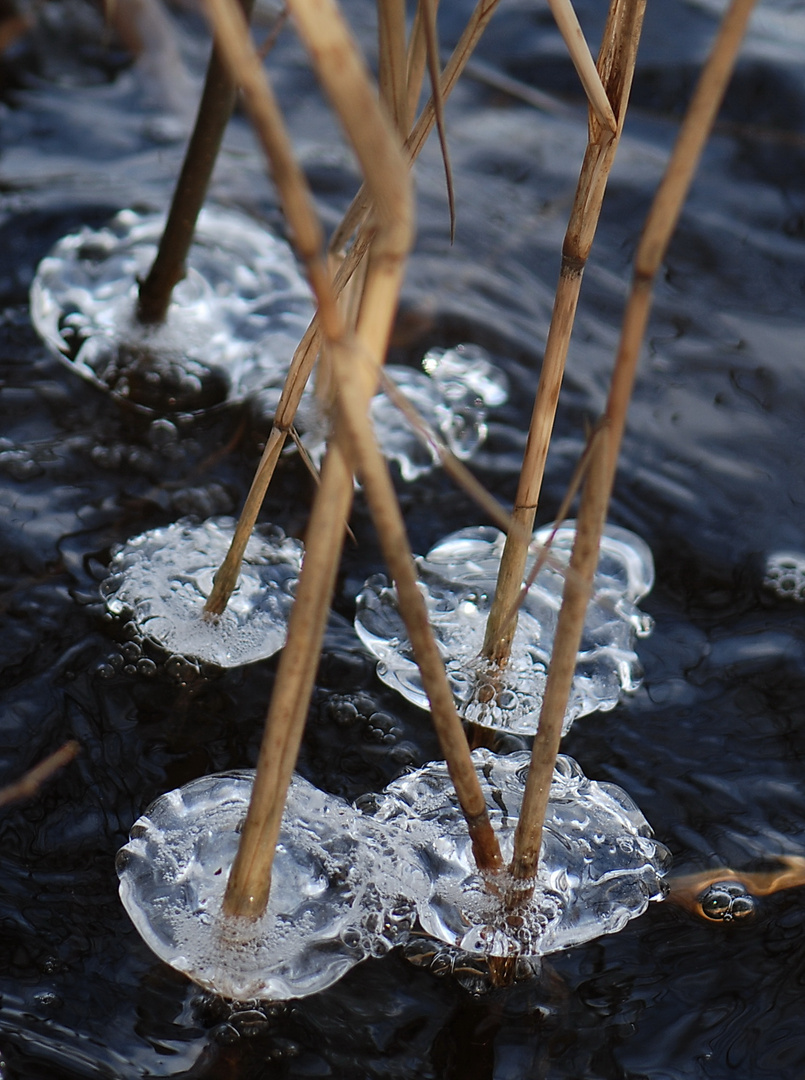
711	747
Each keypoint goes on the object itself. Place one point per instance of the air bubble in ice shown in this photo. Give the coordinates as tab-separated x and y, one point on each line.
233	323
452	393
162	580
339	889
458	578
785	575
599	865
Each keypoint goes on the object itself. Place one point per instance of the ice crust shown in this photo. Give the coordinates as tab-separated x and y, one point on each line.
452	393
599	866
458	578
340	889
234	321
162	579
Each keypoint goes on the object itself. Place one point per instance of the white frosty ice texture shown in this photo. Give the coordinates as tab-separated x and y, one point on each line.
239	312
340	889
599	866
162	579
458	579
785	575
452	393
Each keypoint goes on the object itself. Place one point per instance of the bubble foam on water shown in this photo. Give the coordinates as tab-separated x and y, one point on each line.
162	579
340	889
599	866
233	323
452	394
458	579
785	575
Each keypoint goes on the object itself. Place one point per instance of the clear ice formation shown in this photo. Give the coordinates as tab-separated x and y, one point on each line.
785	575
340	889
234	320
458	579
452	394
162	579
599	866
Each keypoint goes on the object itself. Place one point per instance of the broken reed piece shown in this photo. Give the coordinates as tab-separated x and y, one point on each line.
214	112
347	84
616	65
29	784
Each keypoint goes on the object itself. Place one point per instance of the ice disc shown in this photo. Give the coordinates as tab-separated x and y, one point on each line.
162	579
234	320
452	393
599	865
340	889
458	579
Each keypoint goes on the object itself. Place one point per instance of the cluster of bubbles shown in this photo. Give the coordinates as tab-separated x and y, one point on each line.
349	882
458	578
785	575
162	579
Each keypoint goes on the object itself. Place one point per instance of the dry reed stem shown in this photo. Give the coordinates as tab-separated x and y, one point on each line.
393	60
665	210
346	82
417	60
657	232
580	54
245	69
214	111
616	64
686	890
29	784
575	598
357	433
432	42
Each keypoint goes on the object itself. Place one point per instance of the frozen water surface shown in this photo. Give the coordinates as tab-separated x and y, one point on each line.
234	320
458	579
599	866
452	394
162	579
340	889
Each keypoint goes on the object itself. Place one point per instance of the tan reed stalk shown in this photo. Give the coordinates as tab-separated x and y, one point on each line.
29	784
660	224
432	50
417	59
687	889
307	350
580	54
358	435
214	111
570	624
393	60
616	64
346	82
476	24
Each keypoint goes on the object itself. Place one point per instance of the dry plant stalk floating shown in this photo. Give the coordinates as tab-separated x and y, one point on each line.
28	785
616	66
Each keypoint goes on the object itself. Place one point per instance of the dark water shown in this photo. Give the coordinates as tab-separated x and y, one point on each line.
712	747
